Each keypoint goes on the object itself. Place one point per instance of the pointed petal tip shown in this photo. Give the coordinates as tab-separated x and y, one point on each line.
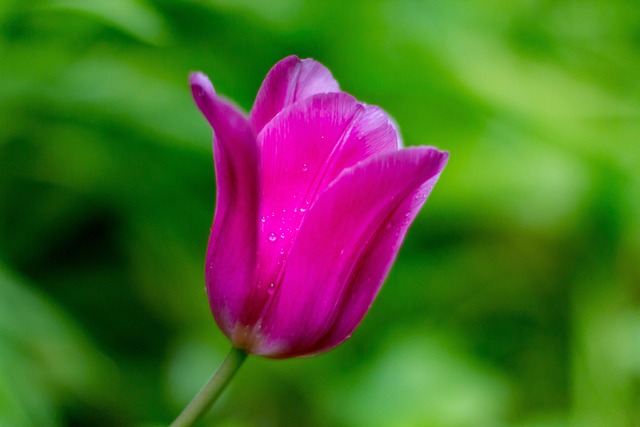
432	157
198	78
201	86
443	157
296	60
203	94
292	79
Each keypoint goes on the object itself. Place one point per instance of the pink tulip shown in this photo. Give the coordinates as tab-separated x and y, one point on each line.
315	195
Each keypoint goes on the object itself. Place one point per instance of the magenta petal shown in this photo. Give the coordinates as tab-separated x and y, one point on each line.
231	254
345	247
309	144
290	80
374	264
303	150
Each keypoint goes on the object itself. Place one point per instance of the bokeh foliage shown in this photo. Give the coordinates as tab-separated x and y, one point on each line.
515	300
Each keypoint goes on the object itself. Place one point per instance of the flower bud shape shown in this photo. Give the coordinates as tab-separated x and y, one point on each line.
315	194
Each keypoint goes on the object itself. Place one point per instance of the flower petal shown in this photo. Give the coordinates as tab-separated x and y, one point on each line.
303	150
374	265
307	146
344	250
290	80
230	263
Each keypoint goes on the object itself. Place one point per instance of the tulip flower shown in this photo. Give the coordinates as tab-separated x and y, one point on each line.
315	194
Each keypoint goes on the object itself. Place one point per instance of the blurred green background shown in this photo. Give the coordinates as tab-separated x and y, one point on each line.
515	300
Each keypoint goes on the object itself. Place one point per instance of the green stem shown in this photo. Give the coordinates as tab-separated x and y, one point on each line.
207	396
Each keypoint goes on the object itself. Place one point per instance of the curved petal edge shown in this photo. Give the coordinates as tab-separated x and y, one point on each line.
339	261
231	254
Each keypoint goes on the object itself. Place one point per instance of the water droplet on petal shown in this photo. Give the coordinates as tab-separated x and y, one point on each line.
303	210
272	237
305	167
282	235
263	219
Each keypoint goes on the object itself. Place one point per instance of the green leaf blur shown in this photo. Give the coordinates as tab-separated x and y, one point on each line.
515	300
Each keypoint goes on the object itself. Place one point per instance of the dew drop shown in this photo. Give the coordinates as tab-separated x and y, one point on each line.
305	167
303	210
273	237
282	235
263	219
